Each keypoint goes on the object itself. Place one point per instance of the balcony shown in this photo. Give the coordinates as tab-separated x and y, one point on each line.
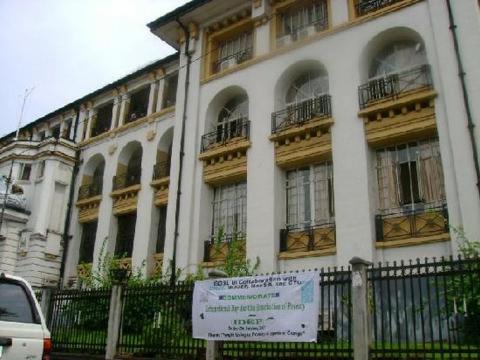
317	240
406	227
232	60
224	152
301	132
88	203
125	193
160	182
215	252
398	107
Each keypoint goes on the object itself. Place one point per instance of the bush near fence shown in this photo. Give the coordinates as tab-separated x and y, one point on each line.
423	309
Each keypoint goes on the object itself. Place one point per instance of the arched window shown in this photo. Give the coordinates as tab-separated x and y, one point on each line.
308	85
97	179
232	119
134	167
397	57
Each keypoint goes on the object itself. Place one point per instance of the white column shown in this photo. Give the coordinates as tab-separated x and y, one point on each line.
89	123
161	89
115	111
123	109
143	245
152	97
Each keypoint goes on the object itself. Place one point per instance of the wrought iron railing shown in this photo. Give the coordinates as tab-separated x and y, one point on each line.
405	223
89	190
161	170
78	321
297	114
309	238
393	85
125	180
217	248
225	132
364	7
425	309
232	60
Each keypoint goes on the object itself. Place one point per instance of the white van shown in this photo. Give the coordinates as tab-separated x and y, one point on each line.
23	332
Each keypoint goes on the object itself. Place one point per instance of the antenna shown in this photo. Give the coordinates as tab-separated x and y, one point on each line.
25	96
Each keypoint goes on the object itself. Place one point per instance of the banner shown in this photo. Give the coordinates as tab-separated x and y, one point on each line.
273	308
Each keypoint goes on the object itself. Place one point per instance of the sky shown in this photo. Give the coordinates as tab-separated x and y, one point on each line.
65	49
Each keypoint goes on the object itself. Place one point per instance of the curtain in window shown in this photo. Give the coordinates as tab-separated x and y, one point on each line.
323	182
426	174
431	172
300	18
310	196
238	47
388	187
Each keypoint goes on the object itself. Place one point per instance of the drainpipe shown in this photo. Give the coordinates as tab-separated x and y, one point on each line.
68	218
182	153
466	99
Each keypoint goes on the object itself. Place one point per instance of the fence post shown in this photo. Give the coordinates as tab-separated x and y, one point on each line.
214	348
360	313
45	303
114	317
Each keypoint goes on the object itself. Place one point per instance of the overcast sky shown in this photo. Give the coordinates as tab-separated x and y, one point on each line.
68	48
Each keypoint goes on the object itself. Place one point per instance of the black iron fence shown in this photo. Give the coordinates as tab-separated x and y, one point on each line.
309	238
89	190
297	114
157	322
123	181
78	321
423	309
411	223
392	85
364	7
161	170
227	131
428	309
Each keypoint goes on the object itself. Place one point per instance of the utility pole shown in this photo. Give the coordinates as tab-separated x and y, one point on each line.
8	180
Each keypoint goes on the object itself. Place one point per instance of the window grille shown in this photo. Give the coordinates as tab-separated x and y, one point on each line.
230	210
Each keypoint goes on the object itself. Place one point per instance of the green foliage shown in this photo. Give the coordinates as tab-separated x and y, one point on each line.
463	290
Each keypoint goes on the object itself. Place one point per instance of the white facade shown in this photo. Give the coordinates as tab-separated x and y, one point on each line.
343	50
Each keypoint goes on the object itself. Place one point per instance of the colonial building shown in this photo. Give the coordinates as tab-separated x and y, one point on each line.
310	131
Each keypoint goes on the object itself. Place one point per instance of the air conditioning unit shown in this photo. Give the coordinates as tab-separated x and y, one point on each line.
306	32
284	40
228	63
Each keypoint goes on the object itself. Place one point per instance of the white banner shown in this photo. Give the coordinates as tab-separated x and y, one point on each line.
273	308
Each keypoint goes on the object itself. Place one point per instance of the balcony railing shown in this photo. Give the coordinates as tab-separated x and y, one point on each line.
391	86
293	115
125	180
364	7
89	190
161	170
214	250
232	60
401	224
239	128
310	238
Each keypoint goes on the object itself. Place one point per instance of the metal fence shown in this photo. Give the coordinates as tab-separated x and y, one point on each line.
161	170
78	321
233	129
364	7
428	309
157	322
419	310
89	190
392	85
297	114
